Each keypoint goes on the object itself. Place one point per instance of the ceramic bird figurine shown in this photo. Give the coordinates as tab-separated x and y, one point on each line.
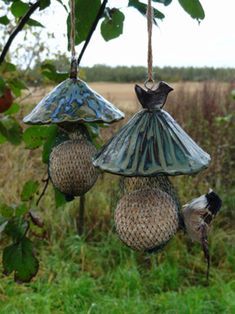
198	216
153	99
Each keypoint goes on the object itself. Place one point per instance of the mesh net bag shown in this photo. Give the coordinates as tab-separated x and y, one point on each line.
70	165
130	184
146	219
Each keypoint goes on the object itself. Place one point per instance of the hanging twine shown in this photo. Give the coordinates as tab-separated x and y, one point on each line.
73	70
150	82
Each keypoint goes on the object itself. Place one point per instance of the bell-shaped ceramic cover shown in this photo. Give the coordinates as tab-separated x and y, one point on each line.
73	101
151	143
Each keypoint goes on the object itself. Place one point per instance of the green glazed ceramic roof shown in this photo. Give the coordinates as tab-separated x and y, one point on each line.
73	101
151	143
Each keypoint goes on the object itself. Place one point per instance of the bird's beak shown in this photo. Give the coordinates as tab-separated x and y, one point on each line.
210	190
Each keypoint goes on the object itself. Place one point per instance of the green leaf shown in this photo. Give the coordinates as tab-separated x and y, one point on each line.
4	20
165	2
56	77
11	130
6	211
86	12
29	189
193	8
2	86
44	4
142	8
32	22
3	224
49	71
17	86
36	135
21	210
59	198
94	133
12	110
61	2
93	129
112	26
16	228
48	66
19	8
20	259
49	143
7	67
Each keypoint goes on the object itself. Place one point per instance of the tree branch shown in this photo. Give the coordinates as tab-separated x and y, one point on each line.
93	27
17	29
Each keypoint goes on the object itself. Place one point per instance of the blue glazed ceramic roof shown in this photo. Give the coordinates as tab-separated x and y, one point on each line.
73	101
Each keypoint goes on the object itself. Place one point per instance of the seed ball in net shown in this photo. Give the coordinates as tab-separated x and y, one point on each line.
70	167
146	220
162	182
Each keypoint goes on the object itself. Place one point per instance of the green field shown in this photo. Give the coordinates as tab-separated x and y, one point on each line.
96	273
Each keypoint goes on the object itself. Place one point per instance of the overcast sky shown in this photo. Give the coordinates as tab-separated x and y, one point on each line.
178	41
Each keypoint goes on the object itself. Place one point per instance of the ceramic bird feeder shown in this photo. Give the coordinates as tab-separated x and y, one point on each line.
152	142
73	101
148	149
71	105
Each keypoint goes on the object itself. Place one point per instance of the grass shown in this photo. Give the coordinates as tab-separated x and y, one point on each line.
97	273
78	276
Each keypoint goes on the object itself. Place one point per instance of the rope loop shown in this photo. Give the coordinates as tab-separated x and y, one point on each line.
149	84
73	70
150	53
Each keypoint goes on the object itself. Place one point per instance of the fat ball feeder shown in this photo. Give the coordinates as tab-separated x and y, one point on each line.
145	152
69	105
72	105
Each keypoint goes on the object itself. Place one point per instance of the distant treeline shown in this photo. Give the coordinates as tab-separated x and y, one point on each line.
126	74
171	74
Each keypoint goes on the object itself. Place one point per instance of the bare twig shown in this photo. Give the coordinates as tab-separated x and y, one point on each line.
17	29
80	216
93	27
44	190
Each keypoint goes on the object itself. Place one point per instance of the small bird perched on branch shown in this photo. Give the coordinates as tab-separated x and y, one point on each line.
198	216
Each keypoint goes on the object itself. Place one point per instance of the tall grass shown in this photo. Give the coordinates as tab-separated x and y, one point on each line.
96	273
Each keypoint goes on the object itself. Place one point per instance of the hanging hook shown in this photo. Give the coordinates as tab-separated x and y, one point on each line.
149	84
73	68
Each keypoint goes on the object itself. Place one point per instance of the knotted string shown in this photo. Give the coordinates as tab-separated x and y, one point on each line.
149	83
73	70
